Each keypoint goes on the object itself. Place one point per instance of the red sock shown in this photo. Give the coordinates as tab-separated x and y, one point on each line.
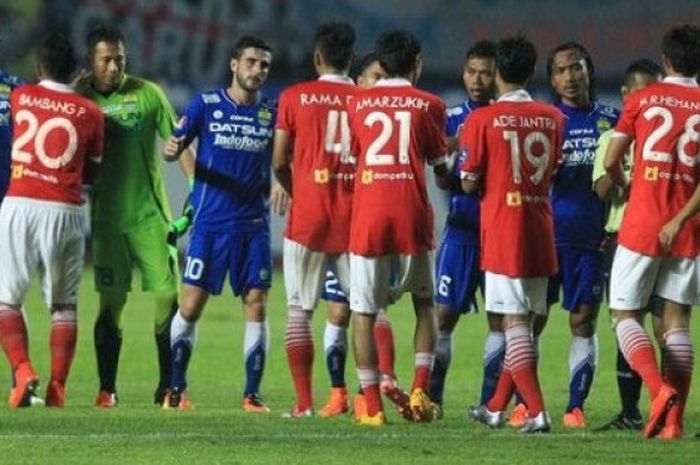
520	351
423	369
503	392
678	370
64	334
300	355
384	338
639	353
369	381
13	336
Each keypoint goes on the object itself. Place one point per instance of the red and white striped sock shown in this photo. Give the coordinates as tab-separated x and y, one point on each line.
520	351
64	335
423	363
504	389
13	336
369	382
678	369
639	353
300	354
384	338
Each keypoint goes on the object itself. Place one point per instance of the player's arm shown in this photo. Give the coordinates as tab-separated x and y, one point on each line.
671	229
95	150
281	160
603	185
472	167
618	147
186	162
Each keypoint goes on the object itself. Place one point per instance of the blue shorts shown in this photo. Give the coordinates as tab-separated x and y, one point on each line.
247	257
331	289
582	276
457	276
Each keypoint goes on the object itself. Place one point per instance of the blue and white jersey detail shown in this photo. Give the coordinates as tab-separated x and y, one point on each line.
232	170
8	83
463	218
579	215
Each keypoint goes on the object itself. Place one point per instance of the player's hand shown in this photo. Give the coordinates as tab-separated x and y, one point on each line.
172	148
179	227
668	234
280	200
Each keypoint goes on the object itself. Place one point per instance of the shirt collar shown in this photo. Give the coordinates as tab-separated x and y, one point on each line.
57	86
393	82
520	95
681	81
336	78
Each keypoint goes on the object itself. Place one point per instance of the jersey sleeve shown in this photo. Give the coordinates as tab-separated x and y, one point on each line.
601	148
166	117
437	153
193	120
471	143
455	118
625	125
285	114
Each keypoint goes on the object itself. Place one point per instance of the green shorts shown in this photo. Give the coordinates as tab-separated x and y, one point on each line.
114	256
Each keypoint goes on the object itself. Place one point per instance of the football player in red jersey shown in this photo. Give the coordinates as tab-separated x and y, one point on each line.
395	130
658	239
57	143
313	114
511	149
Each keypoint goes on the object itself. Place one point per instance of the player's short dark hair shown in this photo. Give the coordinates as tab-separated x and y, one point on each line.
249	42
365	62
581	50
481	49
57	57
516	58
397	51
681	47
104	33
642	66
335	42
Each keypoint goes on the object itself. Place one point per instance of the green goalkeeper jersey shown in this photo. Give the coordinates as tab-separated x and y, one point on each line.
129	191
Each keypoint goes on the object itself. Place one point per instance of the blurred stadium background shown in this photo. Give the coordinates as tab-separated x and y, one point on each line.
185	44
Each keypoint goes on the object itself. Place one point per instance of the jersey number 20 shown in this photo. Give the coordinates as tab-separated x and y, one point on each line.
39	132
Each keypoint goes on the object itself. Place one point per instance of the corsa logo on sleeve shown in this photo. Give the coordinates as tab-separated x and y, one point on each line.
514	199
321	176
367	177
651	173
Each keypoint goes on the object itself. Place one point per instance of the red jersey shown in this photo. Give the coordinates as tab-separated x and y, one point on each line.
54	131
395	129
513	147
315	115
664	121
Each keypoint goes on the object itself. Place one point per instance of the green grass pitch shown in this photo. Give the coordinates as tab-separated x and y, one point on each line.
219	432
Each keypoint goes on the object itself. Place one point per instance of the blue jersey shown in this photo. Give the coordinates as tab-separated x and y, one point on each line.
579	215
463	218
232	170
7	83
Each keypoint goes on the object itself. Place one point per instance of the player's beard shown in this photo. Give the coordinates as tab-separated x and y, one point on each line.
249	83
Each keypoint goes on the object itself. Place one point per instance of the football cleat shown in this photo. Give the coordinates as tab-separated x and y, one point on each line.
25	392
671	432
438	413
254	403
337	403
539	424
518	416
159	394
177	399
56	394
296	412
359	406
623	422
421	406
481	414
659	408
391	389
574	419
106	399
365	420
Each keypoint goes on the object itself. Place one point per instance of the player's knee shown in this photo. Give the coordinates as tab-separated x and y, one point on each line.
338	314
582	324
255	303
446	319
495	322
112	303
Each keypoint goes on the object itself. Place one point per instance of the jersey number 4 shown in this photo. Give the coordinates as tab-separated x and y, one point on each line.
39	132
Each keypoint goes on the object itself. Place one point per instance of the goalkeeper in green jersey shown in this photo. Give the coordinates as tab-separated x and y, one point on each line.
130	212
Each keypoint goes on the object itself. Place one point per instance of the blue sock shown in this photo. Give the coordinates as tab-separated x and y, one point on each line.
335	343
254	351
182	337
443	357
494	353
582	361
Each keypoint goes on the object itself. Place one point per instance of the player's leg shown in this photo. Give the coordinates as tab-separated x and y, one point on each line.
303	271
384	338
112	264
19	261
251	277
633	278
369	291
494	353
159	272
446	322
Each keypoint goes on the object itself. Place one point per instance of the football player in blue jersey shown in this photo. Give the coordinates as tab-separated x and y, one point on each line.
579	216
8	82
457	272
231	231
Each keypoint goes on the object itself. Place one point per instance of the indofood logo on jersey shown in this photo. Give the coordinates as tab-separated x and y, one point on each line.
579	147
241	136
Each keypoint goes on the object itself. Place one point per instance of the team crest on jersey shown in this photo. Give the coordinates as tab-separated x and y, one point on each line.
603	125
264	116
5	89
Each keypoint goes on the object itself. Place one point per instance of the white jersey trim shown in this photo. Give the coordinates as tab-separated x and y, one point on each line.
57	86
